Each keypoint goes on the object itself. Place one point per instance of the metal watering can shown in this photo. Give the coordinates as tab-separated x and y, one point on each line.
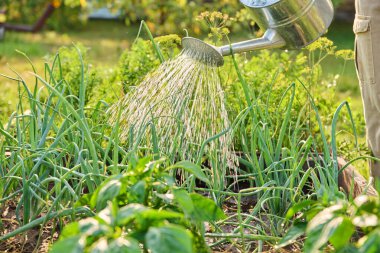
289	24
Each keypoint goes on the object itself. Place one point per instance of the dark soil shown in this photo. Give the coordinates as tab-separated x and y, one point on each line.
37	239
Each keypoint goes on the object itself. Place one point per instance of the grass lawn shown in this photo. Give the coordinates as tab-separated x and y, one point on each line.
105	39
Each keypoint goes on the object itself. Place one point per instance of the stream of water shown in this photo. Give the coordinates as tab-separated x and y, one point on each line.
185	101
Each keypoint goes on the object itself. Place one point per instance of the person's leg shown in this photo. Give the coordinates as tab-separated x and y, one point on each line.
367	47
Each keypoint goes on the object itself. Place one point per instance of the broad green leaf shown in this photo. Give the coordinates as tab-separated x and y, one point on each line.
142	165
311	240
361	200
70	230
319	235
292	235
99	246
370	243
342	234
119	245
127	213
191	168
153	214
124	245
91	227
169	239
106	184
73	244
146	163
323	217
84	200
366	220
348	248
106	216
182	197
107	192
367	204
88	224
297	208
309	214
167	197
138	191
205	209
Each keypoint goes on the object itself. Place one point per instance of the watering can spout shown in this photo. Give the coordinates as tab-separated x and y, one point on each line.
270	40
208	53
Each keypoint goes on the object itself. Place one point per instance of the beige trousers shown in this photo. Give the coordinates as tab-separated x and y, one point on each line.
367	47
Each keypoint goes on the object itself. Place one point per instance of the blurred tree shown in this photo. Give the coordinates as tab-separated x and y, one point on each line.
169	16
69	13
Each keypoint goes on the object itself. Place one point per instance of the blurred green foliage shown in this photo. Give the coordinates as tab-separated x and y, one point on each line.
175	15
68	13
136	63
171	15
140	59
161	16
71	70
107	89
336	224
101	83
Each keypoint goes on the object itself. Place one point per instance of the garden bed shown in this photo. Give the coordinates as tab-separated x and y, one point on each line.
36	239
